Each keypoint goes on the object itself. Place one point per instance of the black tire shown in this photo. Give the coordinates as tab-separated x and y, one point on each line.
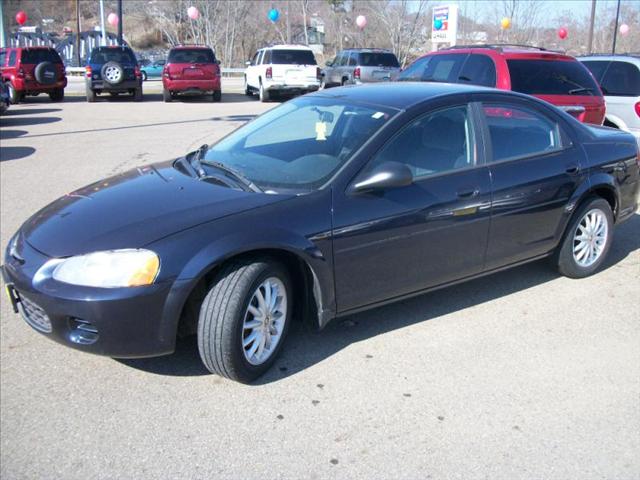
57	95
247	88
91	95
144	76
564	258
217	96
344	82
14	95
137	95
166	95
264	94
45	73
220	324
112	73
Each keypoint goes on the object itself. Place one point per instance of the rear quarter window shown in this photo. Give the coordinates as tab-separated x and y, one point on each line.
597	68
622	79
551	77
40	55
192	55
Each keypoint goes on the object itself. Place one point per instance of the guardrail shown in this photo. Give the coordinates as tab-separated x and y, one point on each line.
228	72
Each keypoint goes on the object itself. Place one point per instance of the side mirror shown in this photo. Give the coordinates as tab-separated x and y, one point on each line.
385	175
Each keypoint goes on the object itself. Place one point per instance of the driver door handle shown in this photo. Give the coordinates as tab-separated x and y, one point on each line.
468	193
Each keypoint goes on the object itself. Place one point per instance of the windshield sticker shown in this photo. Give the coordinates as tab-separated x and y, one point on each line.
377	115
321	131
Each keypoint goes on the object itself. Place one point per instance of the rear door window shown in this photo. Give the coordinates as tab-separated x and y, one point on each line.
378	59
192	55
518	132
12	59
551	77
3	57
444	68
267	57
622	79
293	57
40	55
478	70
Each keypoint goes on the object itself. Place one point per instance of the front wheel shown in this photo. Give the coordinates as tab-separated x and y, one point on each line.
587	239
244	319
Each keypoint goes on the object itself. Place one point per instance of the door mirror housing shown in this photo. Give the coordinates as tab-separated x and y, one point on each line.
386	175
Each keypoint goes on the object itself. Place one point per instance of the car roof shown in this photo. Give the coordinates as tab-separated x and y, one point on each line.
402	95
375	50
609	58
187	47
508	51
287	47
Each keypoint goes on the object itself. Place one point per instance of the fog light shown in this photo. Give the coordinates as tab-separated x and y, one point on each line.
82	331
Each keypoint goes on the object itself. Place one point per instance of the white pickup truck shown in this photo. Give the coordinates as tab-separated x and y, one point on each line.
282	69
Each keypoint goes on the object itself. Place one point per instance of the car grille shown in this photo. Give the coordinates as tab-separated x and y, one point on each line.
34	315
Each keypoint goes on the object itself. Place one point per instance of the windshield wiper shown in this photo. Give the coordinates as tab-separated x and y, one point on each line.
580	90
196	160
236	175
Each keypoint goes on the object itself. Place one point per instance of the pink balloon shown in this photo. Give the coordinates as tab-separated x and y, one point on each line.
624	29
113	19
193	13
562	33
361	21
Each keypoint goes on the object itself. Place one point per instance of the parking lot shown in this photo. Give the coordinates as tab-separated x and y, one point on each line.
519	375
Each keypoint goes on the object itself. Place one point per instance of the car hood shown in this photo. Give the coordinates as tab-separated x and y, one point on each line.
133	209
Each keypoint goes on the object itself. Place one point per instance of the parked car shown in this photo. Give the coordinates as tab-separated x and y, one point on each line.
282	70
360	65
113	70
152	69
32	71
619	79
557	78
191	70
4	96
329	204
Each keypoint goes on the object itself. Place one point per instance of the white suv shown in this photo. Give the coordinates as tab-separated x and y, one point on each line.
282	69
619	78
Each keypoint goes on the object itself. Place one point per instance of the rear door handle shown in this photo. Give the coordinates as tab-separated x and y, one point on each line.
468	193
572	169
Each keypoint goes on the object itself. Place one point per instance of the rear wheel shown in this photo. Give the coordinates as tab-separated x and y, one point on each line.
14	95
247	89
57	95
264	94
587	239
217	96
166	95
137	95
244	318
91	95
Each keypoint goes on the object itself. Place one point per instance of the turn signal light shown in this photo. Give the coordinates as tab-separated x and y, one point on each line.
87	71
269	73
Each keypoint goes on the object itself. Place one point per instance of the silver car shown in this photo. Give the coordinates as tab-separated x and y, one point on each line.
619	78
360	65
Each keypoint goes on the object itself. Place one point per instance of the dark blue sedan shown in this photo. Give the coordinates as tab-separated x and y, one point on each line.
329	204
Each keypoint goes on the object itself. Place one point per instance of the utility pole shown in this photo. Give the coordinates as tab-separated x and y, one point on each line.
78	33
120	42
591	24
103	42
615	30
3	35
288	25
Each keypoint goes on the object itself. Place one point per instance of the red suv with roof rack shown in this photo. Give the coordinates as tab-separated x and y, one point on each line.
191	70
552	76
32	71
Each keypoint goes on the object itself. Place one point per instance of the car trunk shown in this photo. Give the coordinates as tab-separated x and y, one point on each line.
192	64
294	74
32	58
561	81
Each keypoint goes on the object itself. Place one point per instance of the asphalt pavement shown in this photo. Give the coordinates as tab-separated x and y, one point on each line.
520	375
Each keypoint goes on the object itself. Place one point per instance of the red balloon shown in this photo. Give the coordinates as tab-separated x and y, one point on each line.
562	33
21	17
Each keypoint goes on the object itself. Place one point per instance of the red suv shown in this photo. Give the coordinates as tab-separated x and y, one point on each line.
557	78
191	69
32	71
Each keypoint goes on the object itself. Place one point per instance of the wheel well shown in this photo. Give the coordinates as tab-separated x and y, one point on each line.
301	280
608	195
609	123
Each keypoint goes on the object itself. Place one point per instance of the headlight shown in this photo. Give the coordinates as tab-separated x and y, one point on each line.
109	269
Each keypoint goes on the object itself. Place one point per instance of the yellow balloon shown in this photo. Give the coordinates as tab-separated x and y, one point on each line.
505	23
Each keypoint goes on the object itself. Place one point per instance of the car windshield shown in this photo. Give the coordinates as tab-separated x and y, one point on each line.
118	55
192	55
40	55
293	57
377	59
546	77
300	144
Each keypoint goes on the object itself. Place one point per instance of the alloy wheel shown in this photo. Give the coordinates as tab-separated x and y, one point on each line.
590	238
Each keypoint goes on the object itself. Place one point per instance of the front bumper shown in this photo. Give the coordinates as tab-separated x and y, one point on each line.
117	322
